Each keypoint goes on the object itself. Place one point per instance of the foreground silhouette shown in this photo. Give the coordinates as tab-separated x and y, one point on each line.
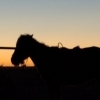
58	65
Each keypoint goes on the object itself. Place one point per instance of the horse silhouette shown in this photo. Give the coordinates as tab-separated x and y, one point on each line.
58	65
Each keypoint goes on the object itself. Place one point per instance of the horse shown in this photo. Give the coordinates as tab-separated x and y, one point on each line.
58	65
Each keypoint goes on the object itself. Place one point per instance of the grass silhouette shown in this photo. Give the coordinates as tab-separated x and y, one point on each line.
17	83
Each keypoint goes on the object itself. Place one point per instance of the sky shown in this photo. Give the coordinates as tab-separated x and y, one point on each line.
71	22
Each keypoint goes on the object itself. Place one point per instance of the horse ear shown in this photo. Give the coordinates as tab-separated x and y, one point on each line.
32	35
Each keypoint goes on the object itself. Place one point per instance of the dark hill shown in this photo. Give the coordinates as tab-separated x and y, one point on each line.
25	84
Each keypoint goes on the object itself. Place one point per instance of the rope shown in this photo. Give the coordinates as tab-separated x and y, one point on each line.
24	64
59	43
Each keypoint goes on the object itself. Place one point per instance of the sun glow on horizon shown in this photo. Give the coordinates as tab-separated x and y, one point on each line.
5	58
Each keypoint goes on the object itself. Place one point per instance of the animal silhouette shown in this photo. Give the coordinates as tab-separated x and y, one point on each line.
58	65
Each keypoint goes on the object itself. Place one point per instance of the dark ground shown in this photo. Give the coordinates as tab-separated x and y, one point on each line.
25	84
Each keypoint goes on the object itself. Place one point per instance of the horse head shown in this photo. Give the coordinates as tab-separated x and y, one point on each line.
22	49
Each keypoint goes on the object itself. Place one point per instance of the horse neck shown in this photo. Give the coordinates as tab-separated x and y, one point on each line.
37	51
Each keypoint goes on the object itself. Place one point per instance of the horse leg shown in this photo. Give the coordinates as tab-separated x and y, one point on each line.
54	91
58	91
51	91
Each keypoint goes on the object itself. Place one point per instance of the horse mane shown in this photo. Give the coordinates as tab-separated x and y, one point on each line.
27	36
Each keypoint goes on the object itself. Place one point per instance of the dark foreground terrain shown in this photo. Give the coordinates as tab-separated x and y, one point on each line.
25	84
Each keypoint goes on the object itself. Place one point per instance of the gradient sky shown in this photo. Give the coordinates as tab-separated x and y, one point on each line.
72	22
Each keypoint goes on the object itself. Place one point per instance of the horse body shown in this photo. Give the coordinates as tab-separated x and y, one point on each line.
59	65
68	64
